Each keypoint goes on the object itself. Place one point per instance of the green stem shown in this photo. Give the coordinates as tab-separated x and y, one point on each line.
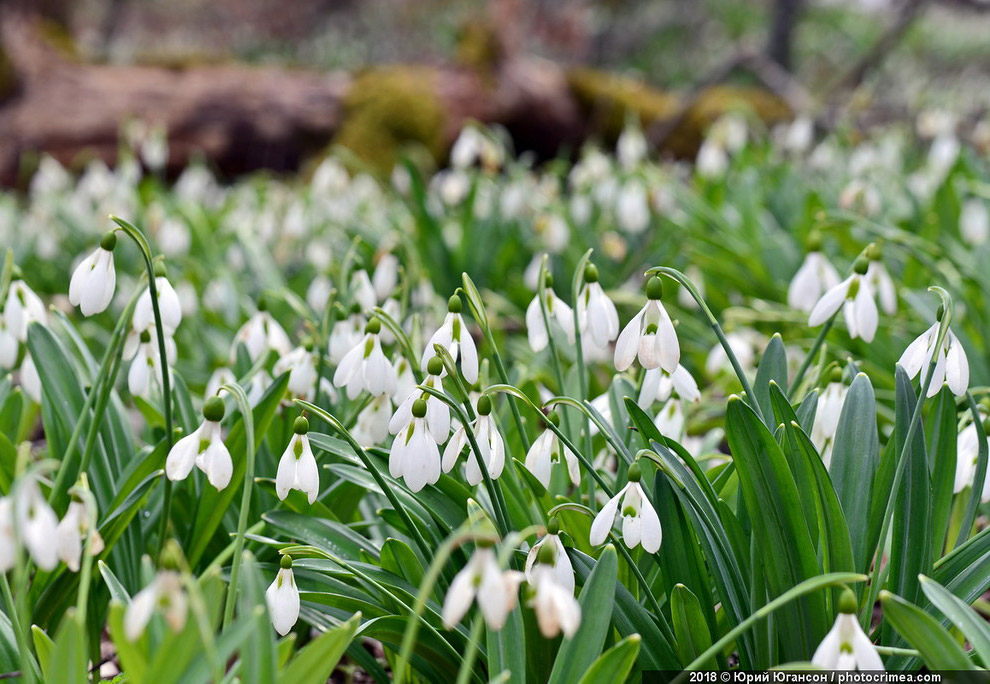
551	343
471	652
576	286
654	604
247	416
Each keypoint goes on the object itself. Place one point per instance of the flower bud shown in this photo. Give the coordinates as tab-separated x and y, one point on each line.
213	409
835	375
814	242
861	265
161	270
301	425
262	303
553	418
548	280
547	554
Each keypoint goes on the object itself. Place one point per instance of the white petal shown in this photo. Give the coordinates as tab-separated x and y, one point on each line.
829	303
182	456
139	612
459	596
536	331
628	343
827	654
603	522
957	368
867	317
282	598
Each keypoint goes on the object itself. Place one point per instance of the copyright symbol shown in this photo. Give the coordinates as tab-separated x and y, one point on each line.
725	676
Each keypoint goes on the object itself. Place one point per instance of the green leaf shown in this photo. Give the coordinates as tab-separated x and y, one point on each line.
317	660
132	658
68	657
973	626
507	649
258	659
773	367
44	647
943	436
693	637
938	648
597	598
117	590
614	664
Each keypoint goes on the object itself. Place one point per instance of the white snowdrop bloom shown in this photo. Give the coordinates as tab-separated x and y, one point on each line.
489	442
454	336
556	608
495	589
596	312
967	454
23	307
640	523
744	344
362	290
812	280
365	367
145	372
531	276
557	312
92	285
466	149
282	597
8	535
553	228
943	154
547	450
951	364
451	186
861	197
300	364
30	380
297	468
659	385
581	208
260	334
318	292
220	377
883	285
414	455
37	524
846	646
855	297
203	448
165	593
649	336
154	149
371	428
827	416
712	161
671	421
799	135
631	147
70	535
405	383
174	238
386	277
555	558
346	334
169	307
974	222
437	412
8	344
632	208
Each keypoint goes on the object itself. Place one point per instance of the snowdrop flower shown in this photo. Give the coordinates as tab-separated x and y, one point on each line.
974	222
8	344
860	196
415	456
855	297
220	377
386	277
547	450
827	416
362	290
92	285
631	147
372	423
555	557
596	312
489	442
165	593
300	364
318	292
70	535
649	336
659	385
640	523
632	208
554	604
169	306
145	368
968	451
744	344
712	161
495	589
815	277
557	312
883	285
466	149
454	336
297	467
671	421
799	135
437	412
22	308
365	367
203	448
260	334
346	333
8	535
282	597
846	646
37	524
30	380
951	364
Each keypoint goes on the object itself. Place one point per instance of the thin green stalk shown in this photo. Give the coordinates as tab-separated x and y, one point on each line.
471	651
658	612
812	353
551	342
576	286
247	416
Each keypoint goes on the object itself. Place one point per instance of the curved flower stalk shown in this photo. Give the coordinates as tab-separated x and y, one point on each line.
640	523
454	336
297	468
490	444
649	336
282	597
203	448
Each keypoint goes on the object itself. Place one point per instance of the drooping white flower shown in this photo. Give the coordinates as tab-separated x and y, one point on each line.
555	558
640	523
951	364
257	386
203	448
94	280
649	336
454	336
596	312
631	147
659	385
365	367
495	589
813	279
260	334
282	597
555	606
165	593
632	207
671	421
855	297
372	423
141	348
8	344
345	335
386	276
30	380
974	222
362	290
405	383
70	535
547	450
967	453
846	646
297	468
557	312
712	160
827	416
37	524
8	534
318	292
415	456
22	308
437	412
168	306
744	344
883	285
489	442
300	363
